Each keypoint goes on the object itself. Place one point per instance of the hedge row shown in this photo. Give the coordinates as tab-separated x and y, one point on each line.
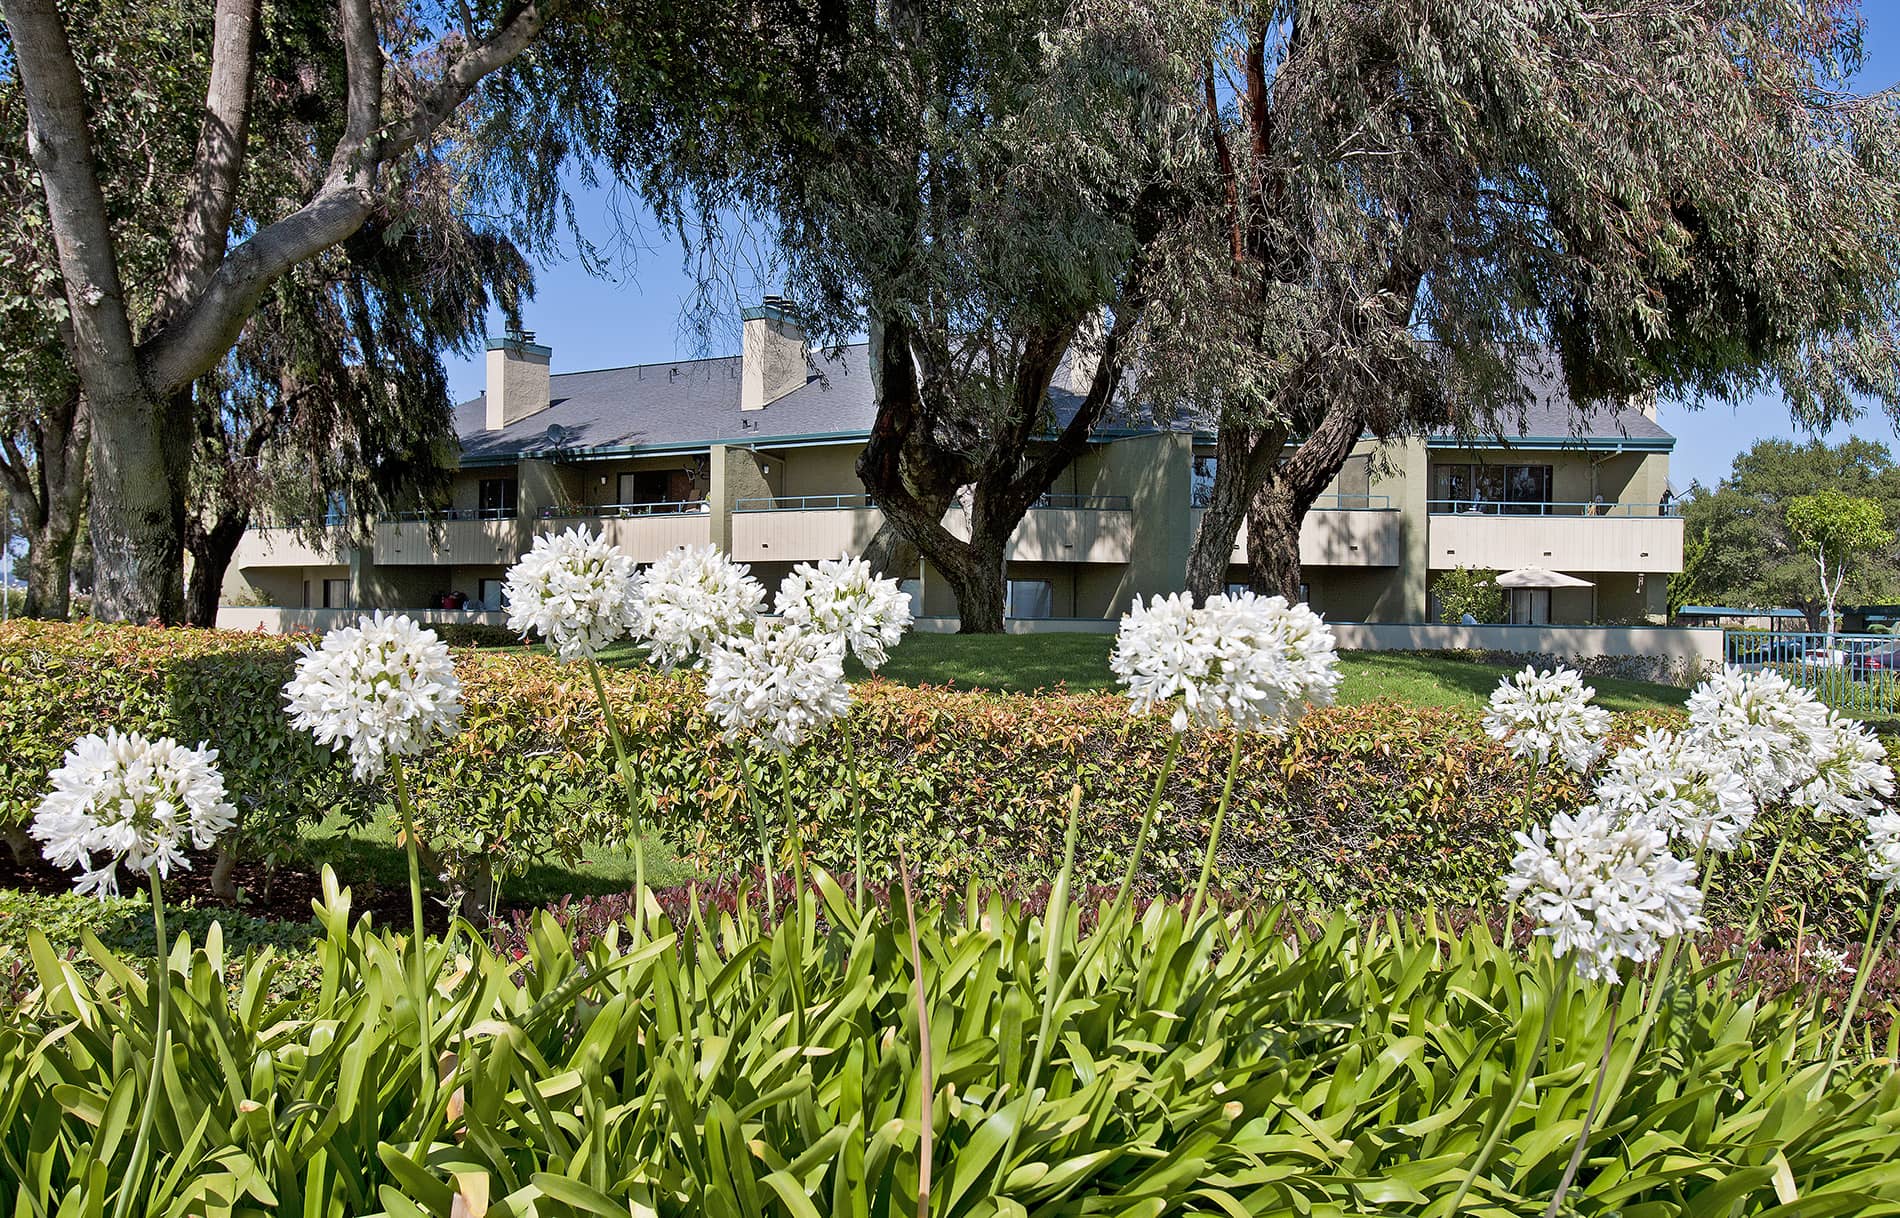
1386	804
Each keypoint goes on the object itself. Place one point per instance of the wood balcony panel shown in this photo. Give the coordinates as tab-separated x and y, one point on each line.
1651	544
803	535
287	548
1341	537
451	542
642	538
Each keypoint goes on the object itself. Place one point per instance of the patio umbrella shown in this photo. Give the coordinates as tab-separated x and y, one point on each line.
1540	577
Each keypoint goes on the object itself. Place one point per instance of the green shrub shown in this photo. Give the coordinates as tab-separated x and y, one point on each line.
1463	590
1250	1066
1386	804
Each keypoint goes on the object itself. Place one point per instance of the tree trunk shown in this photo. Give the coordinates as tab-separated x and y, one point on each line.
211	552
49	575
22	845
224	872
1238	468
1274	515
890	555
138	514
975	573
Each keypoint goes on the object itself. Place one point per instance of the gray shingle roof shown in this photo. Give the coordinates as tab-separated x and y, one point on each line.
1549	416
686	404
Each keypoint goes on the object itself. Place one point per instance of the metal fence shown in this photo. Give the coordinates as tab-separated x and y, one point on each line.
1851	672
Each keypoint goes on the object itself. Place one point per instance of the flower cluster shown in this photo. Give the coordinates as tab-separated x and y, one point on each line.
1605	889
1764	724
780	684
1683	787
691	599
126	799
379	689
846	598
1827	961
1848	774
575	590
1546	715
1883	848
1257	662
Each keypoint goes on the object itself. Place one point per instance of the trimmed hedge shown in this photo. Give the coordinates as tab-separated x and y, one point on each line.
1385	804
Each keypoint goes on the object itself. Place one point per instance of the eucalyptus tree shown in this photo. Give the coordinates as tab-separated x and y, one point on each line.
977	184
136	338
1415	201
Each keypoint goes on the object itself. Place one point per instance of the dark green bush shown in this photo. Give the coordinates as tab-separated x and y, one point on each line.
1386	804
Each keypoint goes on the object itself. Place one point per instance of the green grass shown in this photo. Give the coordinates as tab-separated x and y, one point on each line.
1025	663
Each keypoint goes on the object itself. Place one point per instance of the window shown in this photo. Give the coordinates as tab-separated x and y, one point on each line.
336	594
1514	490
654	486
1530	606
497	501
1029	599
490	593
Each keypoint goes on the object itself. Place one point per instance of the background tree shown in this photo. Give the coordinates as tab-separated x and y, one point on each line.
1463	590
979	186
1737	546
408	70
1839	533
1414	202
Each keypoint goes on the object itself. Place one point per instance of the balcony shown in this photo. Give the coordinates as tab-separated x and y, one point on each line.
484	537
1342	531
287	546
1628	537
1066	528
802	528
644	531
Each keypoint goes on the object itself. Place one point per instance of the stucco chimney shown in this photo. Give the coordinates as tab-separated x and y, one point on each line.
772	360
517	378
1077	373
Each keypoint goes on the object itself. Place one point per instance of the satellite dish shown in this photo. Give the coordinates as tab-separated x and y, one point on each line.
556	435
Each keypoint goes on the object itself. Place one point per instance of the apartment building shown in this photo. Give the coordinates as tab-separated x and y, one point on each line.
756	453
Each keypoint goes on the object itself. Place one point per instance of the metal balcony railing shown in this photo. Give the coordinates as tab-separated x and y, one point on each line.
623	511
1328	503
1092	503
802	503
1603	510
454	514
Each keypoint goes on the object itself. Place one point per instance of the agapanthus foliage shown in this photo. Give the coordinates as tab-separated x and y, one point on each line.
1604	889
847	598
1682	786
123	799
575	590
778	685
1546	716
692	598
379	689
1254	662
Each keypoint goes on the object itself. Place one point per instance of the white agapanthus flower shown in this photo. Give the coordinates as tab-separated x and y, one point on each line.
575	590
1682	786
845	597
1763	723
1827	961
1546	716
126	799
691	599
1850	775
1883	848
779	684
378	689
1604	889
1257	662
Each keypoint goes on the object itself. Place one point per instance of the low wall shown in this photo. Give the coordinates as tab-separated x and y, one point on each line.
1051	625
272	620
1670	654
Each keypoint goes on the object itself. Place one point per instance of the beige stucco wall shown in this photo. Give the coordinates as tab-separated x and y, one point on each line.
824	470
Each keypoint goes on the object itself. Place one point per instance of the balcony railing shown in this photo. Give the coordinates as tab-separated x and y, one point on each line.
1325	503
624	511
1492	507
802	503
1091	503
452	514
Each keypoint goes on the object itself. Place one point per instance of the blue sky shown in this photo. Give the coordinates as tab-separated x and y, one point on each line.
636	315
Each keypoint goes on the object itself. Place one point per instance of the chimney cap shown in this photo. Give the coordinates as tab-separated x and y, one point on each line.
520	342
772	307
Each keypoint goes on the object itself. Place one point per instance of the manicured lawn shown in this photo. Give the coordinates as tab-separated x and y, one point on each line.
1024	663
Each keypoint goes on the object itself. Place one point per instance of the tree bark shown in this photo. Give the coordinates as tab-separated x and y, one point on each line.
211	553
1280	503
1240	454
48	490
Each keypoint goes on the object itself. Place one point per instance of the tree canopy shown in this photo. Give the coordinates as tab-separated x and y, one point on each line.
1738	544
